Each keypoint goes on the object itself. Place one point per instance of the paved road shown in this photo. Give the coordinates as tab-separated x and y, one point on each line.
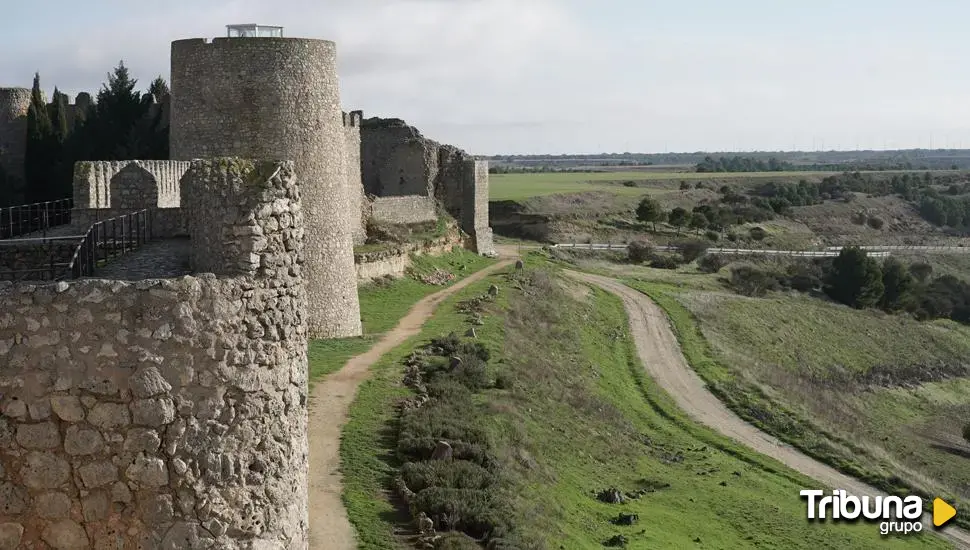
661	356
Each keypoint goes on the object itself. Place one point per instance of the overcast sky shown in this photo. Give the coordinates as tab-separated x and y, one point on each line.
578	76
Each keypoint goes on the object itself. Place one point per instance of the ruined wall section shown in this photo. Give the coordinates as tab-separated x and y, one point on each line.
164	413
14	103
474	213
351	123
278	98
128	184
410	209
398	161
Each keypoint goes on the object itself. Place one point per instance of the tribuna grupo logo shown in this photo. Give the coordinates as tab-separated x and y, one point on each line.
895	514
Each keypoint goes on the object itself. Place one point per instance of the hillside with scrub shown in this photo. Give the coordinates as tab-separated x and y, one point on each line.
859	362
556	438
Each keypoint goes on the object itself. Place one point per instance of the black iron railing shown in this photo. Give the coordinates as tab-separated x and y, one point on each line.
36	259
39	216
74	256
108	239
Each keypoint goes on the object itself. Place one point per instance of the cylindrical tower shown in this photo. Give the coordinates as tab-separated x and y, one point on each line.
278	98
14	103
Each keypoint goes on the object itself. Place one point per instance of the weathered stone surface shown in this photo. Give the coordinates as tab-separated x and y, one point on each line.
153	412
39	436
157	509
65	535
45	471
148	472
13	499
174	402
142	440
52	505
148	382
10	535
95	506
109	416
67	407
82	441
97	474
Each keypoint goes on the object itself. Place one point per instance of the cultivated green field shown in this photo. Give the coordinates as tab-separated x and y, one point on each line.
524	186
576	415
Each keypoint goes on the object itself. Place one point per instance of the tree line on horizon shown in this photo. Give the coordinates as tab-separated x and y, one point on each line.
116	126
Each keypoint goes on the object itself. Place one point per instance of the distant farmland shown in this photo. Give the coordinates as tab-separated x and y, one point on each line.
524	186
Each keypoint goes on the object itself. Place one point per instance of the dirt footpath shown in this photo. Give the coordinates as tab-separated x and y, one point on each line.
329	404
661	356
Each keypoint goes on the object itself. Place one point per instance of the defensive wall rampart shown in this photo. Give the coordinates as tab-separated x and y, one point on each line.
279	98
166	413
396	160
14	103
404	209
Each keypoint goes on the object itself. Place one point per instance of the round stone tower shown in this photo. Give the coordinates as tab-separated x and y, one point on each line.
278	99
14	103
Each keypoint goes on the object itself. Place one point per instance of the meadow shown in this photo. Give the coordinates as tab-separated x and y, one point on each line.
574	415
881	397
523	186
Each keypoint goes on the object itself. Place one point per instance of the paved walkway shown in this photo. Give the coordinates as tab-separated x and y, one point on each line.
155	260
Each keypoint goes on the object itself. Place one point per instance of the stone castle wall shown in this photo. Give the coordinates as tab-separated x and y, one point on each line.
396	160
129	184
278	98
166	413
14	103
351	122
409	209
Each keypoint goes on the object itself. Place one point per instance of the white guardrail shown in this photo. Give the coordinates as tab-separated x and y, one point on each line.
876	251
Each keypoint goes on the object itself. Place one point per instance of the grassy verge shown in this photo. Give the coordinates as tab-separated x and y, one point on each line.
574	414
383	304
875	435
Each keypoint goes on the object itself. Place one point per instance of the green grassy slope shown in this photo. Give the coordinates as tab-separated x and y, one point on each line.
382	305
578	416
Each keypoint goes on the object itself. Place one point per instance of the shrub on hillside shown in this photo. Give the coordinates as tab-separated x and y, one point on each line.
751	280
855	279
966	433
639	251
875	223
711	263
758	233
478	514
454	474
692	249
664	261
712	236
921	271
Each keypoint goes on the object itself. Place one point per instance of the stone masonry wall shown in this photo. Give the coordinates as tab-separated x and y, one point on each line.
410	209
170	413
14	103
278	98
351	122
133	184
474	212
17	259
397	160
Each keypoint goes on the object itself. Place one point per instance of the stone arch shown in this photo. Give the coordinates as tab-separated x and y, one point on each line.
133	188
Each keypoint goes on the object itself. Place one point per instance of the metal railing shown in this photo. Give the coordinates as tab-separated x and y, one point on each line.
39	216
109	239
75	256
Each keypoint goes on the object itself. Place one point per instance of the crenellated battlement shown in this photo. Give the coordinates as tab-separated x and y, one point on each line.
352	119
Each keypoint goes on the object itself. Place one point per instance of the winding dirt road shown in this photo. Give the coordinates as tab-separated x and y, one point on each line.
661	356
329	404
